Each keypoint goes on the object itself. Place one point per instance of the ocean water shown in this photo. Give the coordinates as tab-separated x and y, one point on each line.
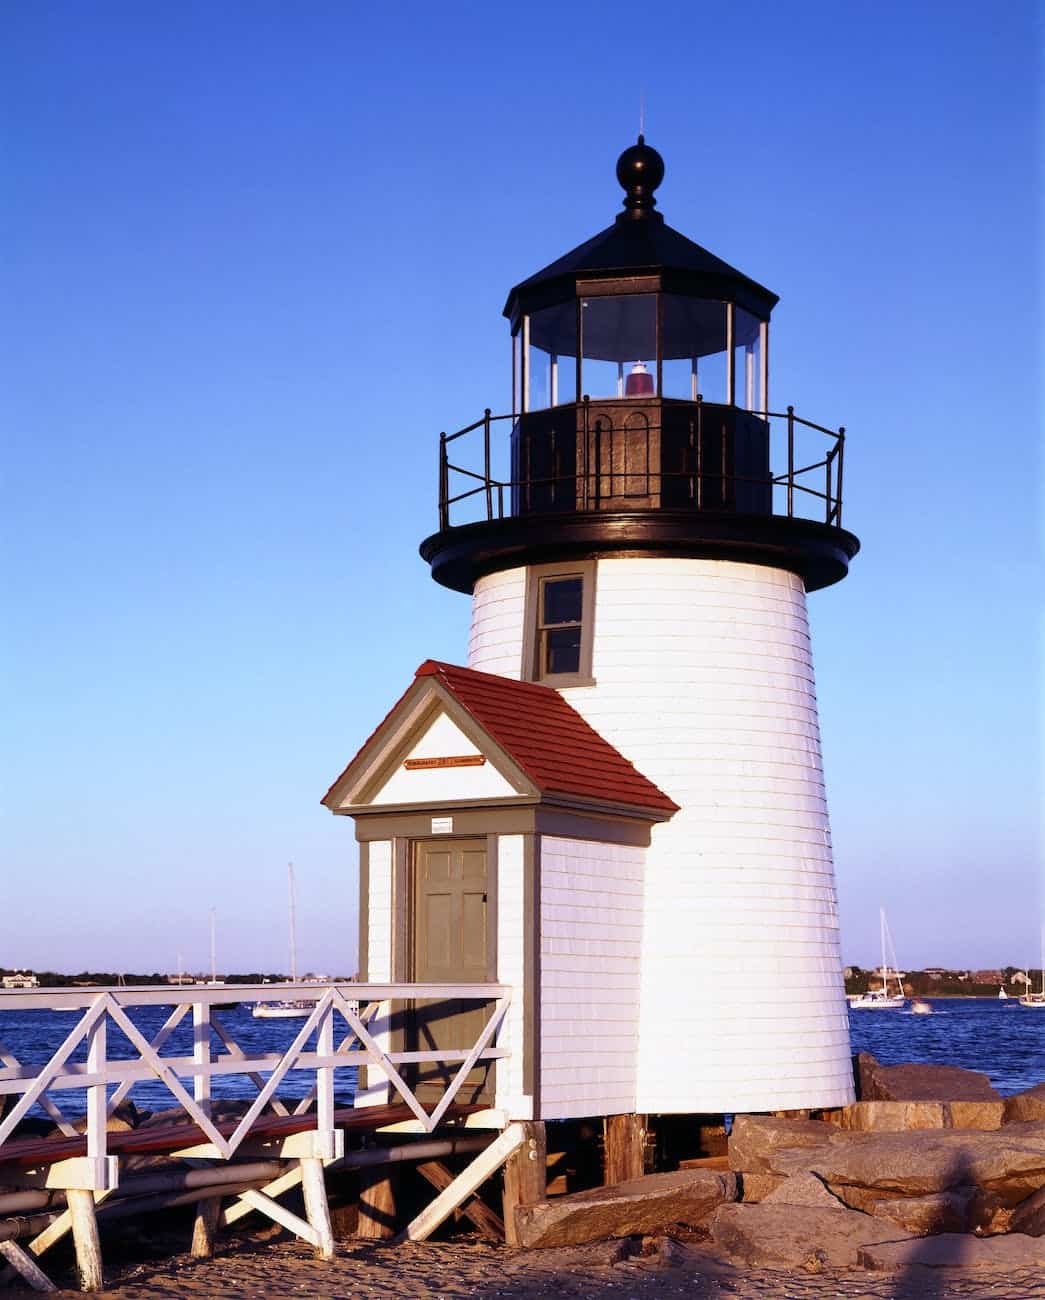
1004	1042
998	1038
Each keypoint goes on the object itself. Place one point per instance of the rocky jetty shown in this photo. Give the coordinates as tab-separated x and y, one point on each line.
931	1166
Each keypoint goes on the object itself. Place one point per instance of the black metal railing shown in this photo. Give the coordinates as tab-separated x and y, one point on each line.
707	477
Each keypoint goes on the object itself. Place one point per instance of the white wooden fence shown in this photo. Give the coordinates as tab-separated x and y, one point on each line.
108	1080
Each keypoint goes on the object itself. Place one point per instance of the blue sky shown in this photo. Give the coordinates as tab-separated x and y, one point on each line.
255	257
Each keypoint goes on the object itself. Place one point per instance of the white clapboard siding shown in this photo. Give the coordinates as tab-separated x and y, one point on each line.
591	952
379	964
704	679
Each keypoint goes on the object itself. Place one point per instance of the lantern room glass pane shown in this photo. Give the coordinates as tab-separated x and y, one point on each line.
693	348
553	356
619	345
747	360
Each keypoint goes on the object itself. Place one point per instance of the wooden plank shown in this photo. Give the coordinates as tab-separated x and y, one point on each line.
26	1266
525	1176
625	1148
466	1182
174	1137
281	1215
491	1225
240	1208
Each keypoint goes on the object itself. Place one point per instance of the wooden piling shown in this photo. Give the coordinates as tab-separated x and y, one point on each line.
85	1238
317	1208
625	1148
377	1202
525	1176
205	1227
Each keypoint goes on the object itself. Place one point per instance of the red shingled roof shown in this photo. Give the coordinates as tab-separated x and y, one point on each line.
548	738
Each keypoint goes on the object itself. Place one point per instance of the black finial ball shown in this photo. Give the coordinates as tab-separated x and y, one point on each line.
640	170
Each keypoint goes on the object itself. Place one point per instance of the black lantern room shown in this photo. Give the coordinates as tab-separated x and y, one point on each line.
640	419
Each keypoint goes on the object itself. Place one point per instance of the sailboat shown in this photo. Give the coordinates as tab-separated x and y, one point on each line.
287	1010
881	999
1036	1001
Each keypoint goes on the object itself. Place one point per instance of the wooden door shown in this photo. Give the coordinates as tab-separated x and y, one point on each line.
450	946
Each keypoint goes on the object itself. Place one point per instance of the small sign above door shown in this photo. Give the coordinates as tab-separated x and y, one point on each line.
442	825
454	760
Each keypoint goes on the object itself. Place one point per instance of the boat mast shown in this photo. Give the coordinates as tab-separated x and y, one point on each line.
213	951
293	934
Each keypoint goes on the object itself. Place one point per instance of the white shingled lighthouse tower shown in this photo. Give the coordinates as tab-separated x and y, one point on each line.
645	553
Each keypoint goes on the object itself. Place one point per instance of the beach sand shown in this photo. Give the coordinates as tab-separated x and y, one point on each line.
274	1269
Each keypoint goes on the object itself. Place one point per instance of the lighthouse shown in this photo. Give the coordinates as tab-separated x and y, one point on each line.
616	806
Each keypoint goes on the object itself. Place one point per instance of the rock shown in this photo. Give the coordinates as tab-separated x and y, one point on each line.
924	1215
641	1206
1029	1105
864	1066
893	1116
954	1250
756	1140
803	1189
756	1187
918	1082
774	1236
1007	1162
1029	1215
124	1118
984	1115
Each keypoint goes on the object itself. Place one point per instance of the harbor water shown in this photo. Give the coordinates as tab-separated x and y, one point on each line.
1003	1041
1000	1039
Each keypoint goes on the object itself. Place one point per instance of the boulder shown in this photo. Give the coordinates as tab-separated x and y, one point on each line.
986	1115
774	1236
756	1187
1029	1215
920	1082
1008	1162
923	1215
1024	1106
756	1140
639	1207
803	1189
954	1250
893	1116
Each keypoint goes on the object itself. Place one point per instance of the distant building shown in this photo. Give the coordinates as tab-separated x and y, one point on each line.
987	977
935	972
21	980
181	979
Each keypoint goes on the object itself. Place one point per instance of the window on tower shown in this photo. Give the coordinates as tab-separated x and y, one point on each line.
560	608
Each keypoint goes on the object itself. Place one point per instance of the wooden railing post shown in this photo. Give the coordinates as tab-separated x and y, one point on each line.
325	1087
97	1107
201	1054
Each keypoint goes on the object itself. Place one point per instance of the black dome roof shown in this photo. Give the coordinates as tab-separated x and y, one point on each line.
639	243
